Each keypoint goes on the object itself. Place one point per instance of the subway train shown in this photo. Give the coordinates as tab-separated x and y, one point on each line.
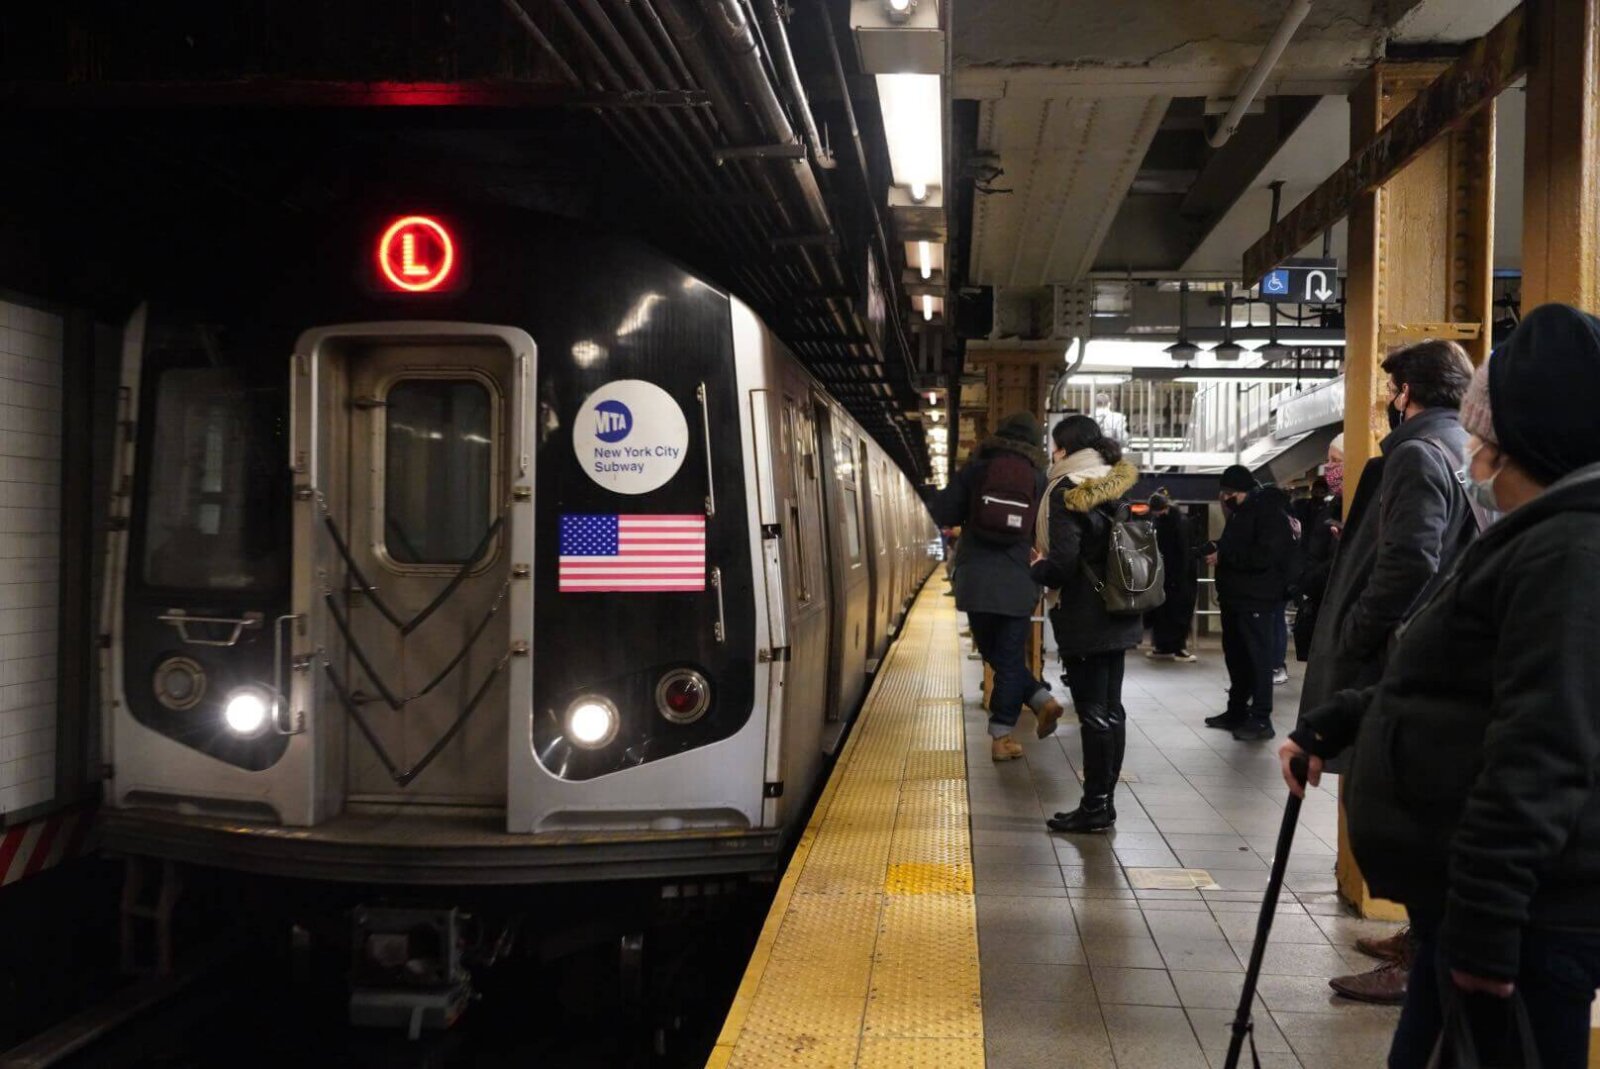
473	548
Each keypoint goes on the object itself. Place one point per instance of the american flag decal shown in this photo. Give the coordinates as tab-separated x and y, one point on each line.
638	554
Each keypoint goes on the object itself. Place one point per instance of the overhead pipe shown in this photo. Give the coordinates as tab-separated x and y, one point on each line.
777	38
1292	18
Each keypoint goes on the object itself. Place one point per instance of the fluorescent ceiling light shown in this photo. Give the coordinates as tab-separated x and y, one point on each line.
913	122
927	307
925	259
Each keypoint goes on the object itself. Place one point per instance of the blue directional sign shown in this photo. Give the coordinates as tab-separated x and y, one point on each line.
1301	282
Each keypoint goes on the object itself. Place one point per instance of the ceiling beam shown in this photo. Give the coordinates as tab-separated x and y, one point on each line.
1480	75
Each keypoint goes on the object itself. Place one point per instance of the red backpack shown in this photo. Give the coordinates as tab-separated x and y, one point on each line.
1003	502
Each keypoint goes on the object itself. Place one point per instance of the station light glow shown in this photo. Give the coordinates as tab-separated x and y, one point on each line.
913	123
925	259
416	254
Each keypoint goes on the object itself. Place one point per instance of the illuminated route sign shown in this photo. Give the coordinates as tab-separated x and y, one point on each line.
416	255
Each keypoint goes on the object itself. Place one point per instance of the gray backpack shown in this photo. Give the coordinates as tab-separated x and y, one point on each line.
1133	579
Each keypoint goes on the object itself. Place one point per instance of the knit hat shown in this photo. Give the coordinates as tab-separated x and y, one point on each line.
1159	502
1021	427
1237	477
1541	387
1475	416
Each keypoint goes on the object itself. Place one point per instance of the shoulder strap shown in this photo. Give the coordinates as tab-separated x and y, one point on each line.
1480	517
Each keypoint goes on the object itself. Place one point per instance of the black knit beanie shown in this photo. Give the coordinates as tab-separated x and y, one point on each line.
1237	477
1543	382
1021	427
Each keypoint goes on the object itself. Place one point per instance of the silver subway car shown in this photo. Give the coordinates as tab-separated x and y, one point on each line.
476	549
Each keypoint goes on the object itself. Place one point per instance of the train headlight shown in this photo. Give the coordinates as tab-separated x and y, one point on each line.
683	696
592	722
248	711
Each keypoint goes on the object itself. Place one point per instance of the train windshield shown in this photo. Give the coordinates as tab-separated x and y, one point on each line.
438	457
207	526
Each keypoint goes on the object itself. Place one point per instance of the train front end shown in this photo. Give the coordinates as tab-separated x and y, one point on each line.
432	564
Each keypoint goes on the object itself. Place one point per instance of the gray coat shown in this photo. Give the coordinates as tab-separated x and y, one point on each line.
1409	521
987	577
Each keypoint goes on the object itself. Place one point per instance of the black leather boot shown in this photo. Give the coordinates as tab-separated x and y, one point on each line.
1094	813
1119	733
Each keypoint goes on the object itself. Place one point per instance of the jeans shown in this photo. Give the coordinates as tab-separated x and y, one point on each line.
1003	642
1247	647
1095	679
1560	971
1280	639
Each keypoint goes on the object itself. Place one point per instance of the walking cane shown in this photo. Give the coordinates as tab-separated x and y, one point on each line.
1242	1024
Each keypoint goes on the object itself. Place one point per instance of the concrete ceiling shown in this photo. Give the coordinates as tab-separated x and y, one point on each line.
1074	94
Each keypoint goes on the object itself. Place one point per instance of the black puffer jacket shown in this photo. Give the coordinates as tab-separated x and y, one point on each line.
1473	786
988	577
1255	554
1081	532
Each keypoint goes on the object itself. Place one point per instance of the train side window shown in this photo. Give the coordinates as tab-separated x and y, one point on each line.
852	523
438	469
207	526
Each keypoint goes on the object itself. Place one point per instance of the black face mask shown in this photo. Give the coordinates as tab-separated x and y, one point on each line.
1395	418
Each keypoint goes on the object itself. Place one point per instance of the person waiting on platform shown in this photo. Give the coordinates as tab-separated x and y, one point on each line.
1252	560
1472	797
1087	478
994	500
1113	424
1409	520
1169	622
1319	537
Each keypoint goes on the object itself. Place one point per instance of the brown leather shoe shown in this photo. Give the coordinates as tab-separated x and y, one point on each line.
1048	717
1005	748
1396	947
1385	985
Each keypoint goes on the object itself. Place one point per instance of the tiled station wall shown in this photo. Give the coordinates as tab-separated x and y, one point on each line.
30	548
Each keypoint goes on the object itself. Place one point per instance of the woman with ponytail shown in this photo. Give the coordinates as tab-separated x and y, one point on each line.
1087	479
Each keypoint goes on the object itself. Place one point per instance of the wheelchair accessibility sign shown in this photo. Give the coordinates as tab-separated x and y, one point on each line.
1301	282
1275	284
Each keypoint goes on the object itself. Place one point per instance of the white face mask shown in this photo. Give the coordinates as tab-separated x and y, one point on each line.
1483	492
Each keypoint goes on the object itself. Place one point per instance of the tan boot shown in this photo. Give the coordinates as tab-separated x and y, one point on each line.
1005	748
1048	717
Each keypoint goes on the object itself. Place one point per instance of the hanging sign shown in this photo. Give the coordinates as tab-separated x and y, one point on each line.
1301	282
630	436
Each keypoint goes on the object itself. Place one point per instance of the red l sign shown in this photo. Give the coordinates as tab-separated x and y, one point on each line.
416	254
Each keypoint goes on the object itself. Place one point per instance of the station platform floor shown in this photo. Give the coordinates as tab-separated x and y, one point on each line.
929	919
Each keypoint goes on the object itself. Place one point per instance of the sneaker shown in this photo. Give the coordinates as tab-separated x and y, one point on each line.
1185	657
1156	655
1280	676
1005	748
1394	948
1225	721
1253	731
1385	985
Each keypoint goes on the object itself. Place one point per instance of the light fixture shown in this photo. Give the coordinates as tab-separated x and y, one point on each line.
899	10
1227	349
592	722
925	258
1183	350
1275	352
933	398
247	711
913	124
927	308
683	696
933	417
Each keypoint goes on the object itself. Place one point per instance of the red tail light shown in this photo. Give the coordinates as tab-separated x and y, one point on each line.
683	696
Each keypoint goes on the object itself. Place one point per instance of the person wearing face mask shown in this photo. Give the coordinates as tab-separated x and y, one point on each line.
1472	787
1319	523
1253	559
1408	521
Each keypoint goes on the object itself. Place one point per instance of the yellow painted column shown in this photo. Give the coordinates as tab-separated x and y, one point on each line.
1561	181
1420	266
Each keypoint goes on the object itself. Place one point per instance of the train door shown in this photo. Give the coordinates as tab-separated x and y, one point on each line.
878	564
848	574
419	554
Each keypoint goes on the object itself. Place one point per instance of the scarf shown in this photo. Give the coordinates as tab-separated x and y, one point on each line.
1079	467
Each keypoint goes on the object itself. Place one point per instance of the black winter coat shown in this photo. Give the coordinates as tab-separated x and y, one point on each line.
1473	786
1255	555
1080	532
988	577
1409	521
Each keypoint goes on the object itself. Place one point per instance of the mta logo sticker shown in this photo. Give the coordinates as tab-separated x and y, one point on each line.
612	421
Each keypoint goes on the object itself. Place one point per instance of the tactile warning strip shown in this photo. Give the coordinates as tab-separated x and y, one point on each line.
869	955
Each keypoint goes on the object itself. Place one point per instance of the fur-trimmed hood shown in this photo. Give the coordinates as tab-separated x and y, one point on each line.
1095	492
997	444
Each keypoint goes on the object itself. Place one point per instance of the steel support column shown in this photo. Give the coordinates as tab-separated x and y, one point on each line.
1420	262
1561	184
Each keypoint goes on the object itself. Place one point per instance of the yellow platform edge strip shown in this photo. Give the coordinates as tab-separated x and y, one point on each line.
896	1030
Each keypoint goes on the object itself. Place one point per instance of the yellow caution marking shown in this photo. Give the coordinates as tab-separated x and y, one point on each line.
869	954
